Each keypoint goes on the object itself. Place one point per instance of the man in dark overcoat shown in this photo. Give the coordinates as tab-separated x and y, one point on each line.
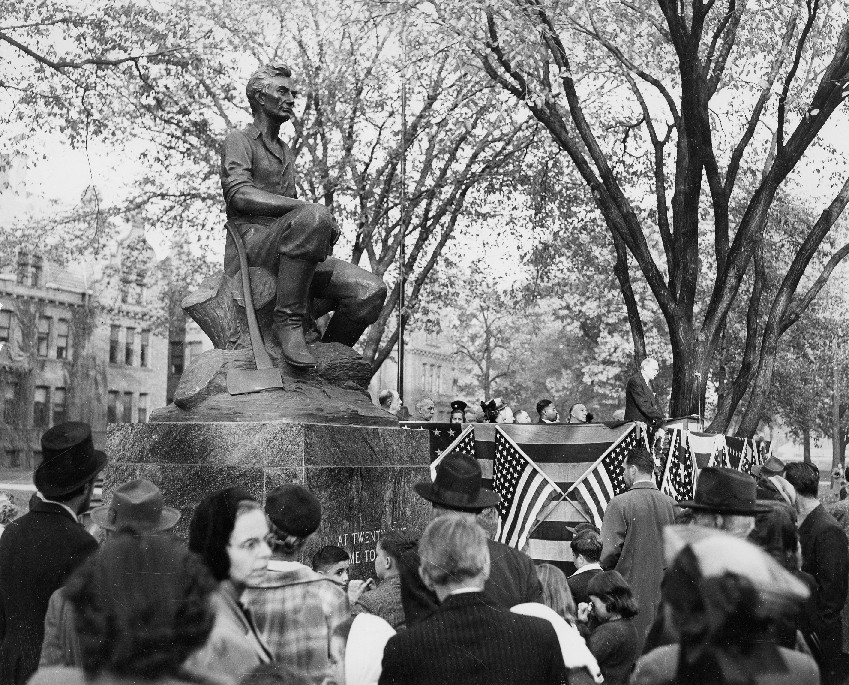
457	490
40	550
468	640
632	535
825	555
640	401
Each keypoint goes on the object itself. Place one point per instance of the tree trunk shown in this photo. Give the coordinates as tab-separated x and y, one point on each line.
806	445
836	432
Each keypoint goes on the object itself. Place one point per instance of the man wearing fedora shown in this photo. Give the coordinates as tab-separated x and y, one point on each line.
138	507
295	608
40	550
457	489
725	499
632	535
764	473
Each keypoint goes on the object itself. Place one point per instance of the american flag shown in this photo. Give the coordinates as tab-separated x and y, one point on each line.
441	435
524	490
605	479
752	456
679	475
564	452
464	443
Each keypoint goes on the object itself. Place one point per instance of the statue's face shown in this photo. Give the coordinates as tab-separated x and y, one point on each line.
278	98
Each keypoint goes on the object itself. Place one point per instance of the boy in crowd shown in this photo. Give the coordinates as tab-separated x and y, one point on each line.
334	562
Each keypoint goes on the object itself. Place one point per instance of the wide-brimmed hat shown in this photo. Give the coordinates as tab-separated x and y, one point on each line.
69	459
458	485
138	505
773	466
725	491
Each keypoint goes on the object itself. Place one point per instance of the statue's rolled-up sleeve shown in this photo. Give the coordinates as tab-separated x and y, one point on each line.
236	164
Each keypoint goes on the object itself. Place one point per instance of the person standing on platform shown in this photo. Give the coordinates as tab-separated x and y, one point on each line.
425	409
547	412
640	401
458	412
40	550
632	535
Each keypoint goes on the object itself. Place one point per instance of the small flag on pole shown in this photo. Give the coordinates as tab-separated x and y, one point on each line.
524	490
606	478
465	443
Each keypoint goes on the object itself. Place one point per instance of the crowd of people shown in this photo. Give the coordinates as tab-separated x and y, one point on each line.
492	411
746	583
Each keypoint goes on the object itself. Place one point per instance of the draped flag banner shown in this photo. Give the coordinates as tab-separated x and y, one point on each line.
679	473
524	490
584	461
441	435
564	453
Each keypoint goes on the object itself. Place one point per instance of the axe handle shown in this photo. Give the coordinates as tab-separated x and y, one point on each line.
263	361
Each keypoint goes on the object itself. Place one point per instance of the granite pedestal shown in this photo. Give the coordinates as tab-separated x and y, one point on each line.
362	475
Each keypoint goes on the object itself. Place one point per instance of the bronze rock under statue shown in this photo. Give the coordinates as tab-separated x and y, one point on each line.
294	280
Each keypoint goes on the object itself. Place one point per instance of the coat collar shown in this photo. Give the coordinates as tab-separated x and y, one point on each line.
644	485
276	147
37	504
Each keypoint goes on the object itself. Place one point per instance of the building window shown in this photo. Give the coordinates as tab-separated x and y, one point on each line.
144	350
142	412
5	325
10	403
177	356
43	335
127	415
13	459
129	346
29	268
39	407
58	405
62	337
112	407
438	379
114	343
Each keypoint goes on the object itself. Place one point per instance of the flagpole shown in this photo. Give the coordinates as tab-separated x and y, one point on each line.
402	253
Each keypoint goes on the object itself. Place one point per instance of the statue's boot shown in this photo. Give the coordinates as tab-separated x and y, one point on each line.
343	329
294	277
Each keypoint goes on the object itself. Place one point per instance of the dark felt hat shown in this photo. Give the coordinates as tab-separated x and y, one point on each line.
293	509
458	485
725	491
69	459
773	466
458	405
138	505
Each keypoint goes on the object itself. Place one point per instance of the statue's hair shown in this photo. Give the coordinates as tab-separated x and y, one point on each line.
259	80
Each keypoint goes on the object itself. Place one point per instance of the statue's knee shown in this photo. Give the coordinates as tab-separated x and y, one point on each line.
374	297
315	216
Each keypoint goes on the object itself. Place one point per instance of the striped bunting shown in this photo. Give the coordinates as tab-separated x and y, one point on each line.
563	452
524	490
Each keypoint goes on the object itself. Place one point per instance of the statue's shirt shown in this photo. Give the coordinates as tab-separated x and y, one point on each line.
249	158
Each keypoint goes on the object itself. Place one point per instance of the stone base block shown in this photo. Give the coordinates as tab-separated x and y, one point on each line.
362	475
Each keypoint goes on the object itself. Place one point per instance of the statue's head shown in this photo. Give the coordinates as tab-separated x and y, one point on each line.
264	78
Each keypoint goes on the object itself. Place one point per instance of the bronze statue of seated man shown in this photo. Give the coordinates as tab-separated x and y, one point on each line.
291	238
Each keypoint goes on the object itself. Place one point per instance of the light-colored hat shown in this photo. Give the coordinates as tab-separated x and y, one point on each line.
138	505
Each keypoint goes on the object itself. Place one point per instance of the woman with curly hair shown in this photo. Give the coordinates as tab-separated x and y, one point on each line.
229	532
141	607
